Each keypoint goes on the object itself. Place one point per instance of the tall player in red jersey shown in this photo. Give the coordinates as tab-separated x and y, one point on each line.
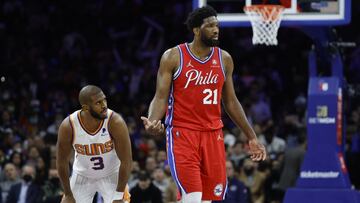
192	81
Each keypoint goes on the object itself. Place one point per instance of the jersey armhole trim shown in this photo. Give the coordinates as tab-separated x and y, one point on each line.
221	63
178	71
108	124
72	131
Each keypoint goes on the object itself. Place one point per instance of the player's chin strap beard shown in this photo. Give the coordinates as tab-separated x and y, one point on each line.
209	42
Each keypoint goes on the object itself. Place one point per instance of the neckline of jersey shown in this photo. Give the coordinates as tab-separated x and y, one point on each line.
84	128
196	58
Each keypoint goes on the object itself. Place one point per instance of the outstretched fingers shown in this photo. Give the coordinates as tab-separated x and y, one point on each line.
153	127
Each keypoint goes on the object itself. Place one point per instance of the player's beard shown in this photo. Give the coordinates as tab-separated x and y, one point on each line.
96	115
209	41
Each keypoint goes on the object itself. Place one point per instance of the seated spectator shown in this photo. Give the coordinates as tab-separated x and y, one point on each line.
160	180
150	164
237	191
52	189
161	158
17	159
11	178
33	155
25	191
145	191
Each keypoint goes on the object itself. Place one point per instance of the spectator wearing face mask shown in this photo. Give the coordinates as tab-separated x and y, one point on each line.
26	191
52	189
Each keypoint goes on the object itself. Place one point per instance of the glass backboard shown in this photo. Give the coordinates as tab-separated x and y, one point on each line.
297	12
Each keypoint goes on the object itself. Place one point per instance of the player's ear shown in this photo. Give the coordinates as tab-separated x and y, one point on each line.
196	30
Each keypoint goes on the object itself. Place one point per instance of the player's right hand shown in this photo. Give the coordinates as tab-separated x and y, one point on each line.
153	128
257	150
68	199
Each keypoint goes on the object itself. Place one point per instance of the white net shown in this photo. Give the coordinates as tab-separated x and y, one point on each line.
265	21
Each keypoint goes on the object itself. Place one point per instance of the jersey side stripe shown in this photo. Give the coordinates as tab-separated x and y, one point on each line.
108	123
178	71
168	120
221	63
72	129
171	158
110	114
225	191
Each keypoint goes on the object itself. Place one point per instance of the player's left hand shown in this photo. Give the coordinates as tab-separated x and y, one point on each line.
153	127
257	150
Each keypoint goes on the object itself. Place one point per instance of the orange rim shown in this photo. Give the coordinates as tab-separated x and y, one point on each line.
263	11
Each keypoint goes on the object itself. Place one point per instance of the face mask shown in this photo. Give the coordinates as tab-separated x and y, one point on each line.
27	178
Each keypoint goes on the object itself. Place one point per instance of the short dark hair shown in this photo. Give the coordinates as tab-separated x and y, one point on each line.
86	93
195	18
143	175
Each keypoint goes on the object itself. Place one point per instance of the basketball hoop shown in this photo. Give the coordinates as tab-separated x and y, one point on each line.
265	21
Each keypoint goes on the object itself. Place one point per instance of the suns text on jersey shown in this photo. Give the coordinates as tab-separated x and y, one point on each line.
94	148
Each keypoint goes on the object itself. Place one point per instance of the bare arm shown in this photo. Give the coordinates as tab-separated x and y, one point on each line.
120	134
168	63
63	154
234	109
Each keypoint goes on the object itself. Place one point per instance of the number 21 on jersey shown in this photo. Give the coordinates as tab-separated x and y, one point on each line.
210	96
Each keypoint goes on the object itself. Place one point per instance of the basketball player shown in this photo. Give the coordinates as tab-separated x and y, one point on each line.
194	78
99	137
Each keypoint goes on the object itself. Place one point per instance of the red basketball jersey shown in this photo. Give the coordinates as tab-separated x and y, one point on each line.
195	95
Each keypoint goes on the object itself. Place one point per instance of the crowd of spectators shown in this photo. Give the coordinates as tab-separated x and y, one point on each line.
50	49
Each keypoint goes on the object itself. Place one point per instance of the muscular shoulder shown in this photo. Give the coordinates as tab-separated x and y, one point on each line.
171	54
171	58
65	132
65	125
116	117
116	121
225	55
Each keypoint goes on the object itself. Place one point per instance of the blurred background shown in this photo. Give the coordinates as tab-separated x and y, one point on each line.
50	49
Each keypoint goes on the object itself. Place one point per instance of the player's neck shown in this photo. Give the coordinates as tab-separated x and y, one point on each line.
200	50
89	121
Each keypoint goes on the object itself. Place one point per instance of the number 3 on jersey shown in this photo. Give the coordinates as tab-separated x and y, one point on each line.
210	96
98	163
